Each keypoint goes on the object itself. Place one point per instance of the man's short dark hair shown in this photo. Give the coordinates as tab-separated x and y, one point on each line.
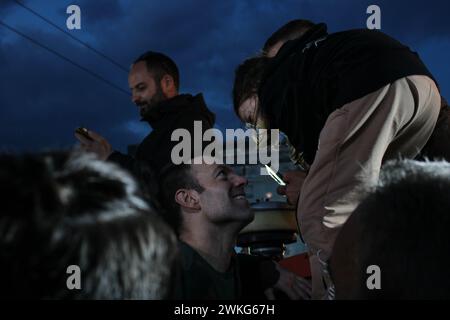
291	30
403	228
248	77
176	177
60	210
159	65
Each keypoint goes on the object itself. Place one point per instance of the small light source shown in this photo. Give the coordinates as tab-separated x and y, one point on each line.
268	195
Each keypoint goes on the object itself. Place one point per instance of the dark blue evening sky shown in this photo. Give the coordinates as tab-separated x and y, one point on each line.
43	98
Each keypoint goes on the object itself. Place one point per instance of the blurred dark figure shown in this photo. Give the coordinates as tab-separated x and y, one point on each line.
62	210
401	227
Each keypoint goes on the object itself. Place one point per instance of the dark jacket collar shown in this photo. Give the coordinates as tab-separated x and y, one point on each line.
304	42
173	106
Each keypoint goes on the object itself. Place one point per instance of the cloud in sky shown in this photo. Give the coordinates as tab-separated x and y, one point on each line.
43	98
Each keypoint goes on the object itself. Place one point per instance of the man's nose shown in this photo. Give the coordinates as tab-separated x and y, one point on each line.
135	98
239	180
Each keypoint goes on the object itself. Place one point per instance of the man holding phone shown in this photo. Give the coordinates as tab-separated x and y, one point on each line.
154	83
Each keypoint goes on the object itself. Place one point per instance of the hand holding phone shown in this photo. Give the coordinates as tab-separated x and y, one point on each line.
84	133
91	141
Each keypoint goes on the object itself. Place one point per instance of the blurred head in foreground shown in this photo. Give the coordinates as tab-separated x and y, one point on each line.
397	241
73	227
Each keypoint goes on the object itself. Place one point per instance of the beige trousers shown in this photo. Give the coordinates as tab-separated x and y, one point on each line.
394	121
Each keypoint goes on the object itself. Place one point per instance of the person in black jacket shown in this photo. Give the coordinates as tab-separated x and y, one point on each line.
347	101
154	82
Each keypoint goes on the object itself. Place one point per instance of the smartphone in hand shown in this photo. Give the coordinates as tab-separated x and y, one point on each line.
83	132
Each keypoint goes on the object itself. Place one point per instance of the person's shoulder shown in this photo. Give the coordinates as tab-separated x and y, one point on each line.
196	110
198	105
364	37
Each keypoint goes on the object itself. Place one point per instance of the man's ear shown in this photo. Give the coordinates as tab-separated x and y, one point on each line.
168	86
188	199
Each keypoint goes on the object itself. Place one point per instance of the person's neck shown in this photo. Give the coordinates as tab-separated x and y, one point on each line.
215	246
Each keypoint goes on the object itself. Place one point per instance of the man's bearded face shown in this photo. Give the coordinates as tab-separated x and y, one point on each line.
146	91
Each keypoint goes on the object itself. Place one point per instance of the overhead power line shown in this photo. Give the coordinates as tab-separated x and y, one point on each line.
101	54
95	75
